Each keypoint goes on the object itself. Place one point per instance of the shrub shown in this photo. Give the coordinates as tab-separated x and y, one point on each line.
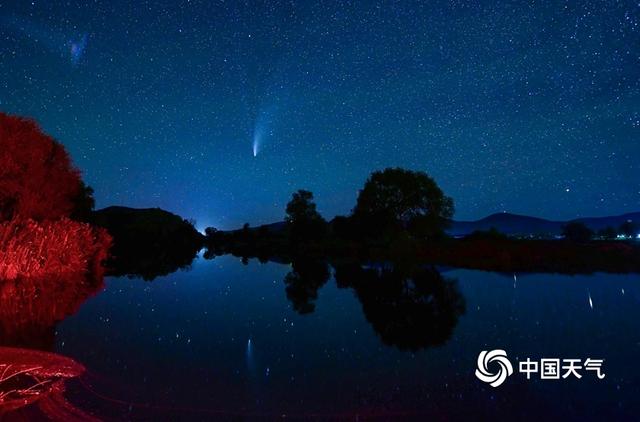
33	249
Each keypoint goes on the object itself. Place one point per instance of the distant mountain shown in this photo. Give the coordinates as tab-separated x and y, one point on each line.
514	224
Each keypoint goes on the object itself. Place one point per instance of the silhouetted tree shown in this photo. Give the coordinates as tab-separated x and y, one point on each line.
37	178
577	232
608	233
628	229
301	207
83	203
343	227
396	199
303	220
491	234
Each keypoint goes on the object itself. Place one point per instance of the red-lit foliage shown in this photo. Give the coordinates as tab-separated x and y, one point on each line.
34	249
39	188
37	178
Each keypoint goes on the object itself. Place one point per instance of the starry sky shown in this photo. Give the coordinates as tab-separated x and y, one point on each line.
219	110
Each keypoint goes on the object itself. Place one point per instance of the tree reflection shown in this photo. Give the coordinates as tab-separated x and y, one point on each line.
410	309
304	280
31	306
150	262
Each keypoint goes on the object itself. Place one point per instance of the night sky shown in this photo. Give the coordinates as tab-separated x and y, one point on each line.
219	110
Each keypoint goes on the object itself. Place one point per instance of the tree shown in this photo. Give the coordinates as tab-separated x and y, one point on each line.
83	203
577	232
607	233
304	221
39	190
491	234
628	229
396	199
37	178
301	208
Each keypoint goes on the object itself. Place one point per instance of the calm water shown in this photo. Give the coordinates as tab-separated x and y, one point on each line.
227	339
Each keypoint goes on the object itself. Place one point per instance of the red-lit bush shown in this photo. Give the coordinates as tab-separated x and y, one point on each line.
39	190
33	249
37	178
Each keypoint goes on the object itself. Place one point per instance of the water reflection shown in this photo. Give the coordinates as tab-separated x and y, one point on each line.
409	308
29	377
231	339
304	280
149	261
31	307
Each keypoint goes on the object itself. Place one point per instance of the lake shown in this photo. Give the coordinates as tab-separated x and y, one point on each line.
227	339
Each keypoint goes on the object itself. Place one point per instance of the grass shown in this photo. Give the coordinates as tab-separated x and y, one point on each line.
33	249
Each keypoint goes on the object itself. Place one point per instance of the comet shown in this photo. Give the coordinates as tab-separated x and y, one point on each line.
263	128
257	136
256	143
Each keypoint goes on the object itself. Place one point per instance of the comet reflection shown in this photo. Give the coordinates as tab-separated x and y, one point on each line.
250	360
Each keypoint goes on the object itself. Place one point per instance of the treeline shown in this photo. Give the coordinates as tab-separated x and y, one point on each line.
402	215
579	232
393	203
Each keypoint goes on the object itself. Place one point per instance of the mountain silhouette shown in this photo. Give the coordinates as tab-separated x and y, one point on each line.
510	224
513	224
